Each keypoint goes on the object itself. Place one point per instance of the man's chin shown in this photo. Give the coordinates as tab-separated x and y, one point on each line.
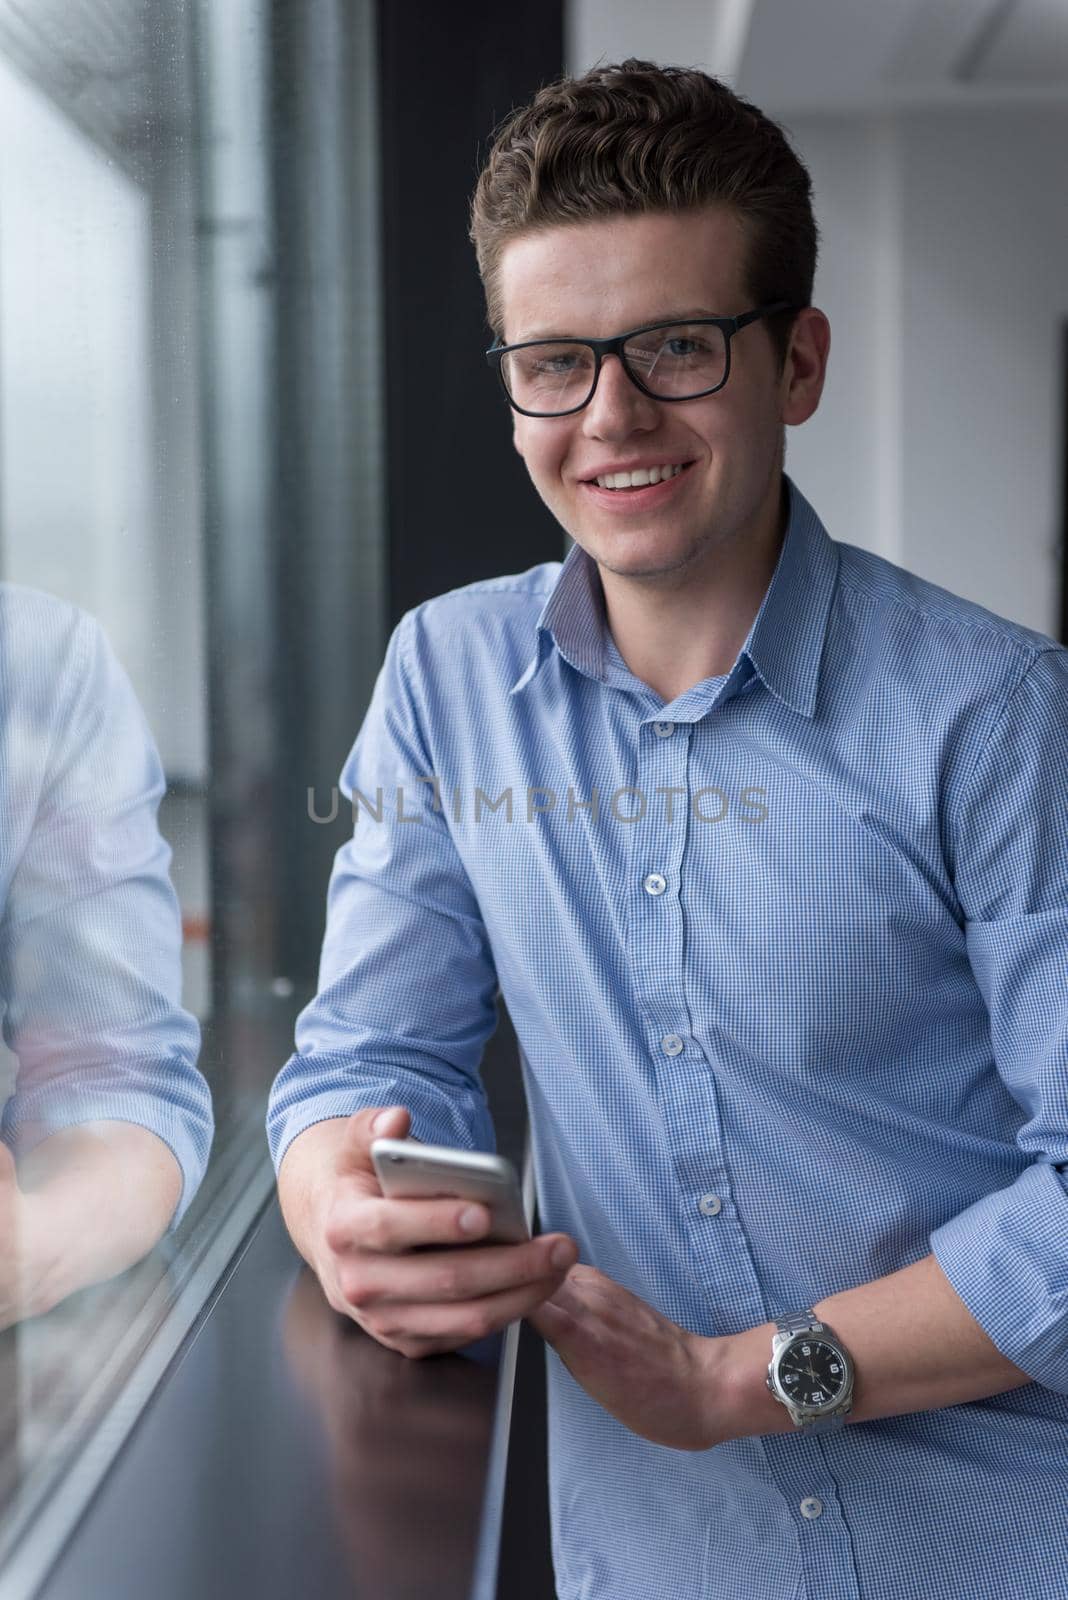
641	564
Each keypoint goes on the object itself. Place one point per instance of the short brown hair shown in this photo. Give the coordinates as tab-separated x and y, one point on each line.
638	137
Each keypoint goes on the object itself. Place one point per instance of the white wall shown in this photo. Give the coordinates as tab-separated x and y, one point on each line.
986	293
945	275
691	33
846	458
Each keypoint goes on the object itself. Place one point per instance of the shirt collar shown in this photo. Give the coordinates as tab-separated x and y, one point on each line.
784	644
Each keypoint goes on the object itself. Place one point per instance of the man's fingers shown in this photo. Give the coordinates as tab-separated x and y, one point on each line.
393	1226
368	1222
452	1276
460	1323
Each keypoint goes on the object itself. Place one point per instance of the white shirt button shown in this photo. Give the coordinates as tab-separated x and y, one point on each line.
710	1205
811	1507
672	1044
663	730
655	883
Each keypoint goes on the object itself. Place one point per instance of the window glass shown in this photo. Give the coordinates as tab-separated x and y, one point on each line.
161	877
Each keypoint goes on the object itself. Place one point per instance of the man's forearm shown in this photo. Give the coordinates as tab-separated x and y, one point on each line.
915	1346
306	1171
97	1198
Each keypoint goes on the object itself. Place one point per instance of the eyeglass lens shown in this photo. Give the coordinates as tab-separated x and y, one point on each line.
674	361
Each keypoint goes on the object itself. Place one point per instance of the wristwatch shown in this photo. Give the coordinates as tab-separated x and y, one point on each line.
810	1373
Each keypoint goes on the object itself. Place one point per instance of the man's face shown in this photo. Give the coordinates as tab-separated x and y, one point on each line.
603	277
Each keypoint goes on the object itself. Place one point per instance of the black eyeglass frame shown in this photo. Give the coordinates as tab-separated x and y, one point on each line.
616	347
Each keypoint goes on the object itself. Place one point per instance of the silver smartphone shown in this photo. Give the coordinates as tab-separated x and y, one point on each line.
409	1170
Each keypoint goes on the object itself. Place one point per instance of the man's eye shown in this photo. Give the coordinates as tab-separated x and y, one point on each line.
553	366
683	347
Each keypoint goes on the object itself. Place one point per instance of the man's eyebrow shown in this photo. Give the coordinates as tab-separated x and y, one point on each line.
653	317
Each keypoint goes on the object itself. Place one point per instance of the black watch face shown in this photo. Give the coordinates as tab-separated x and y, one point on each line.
812	1373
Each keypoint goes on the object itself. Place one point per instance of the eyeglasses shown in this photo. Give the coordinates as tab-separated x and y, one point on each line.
665	360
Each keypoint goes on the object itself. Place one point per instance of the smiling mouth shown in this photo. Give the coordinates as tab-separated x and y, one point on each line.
637	488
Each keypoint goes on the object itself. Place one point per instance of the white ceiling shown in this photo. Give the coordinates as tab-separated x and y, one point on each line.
838	55
830	55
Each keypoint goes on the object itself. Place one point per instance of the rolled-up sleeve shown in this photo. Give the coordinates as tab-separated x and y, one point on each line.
407	983
90	940
1007	1254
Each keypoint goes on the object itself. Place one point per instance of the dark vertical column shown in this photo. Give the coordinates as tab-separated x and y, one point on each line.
460	504
328	509
234	229
295	531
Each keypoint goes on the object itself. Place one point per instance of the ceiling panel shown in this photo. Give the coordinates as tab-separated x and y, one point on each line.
1029	45
843	55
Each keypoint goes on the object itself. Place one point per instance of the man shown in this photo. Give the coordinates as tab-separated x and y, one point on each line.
108	1126
785	950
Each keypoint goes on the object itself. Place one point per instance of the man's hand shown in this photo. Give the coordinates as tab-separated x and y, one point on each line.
361	1246
11	1232
85	1203
659	1380
20	1270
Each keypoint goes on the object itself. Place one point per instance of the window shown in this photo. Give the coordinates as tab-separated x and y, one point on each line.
188	405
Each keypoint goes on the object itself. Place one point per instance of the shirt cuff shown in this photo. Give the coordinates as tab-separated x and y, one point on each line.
1007	1257
32	1117
458	1118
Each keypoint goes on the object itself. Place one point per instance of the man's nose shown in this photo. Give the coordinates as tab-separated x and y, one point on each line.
618	405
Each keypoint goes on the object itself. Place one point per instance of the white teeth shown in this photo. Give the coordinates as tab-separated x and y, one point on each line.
637	480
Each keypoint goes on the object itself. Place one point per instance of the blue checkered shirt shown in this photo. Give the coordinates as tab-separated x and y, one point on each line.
786	958
90	928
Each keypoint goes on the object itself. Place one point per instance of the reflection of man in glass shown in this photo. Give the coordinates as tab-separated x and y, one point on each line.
107	1131
789	1064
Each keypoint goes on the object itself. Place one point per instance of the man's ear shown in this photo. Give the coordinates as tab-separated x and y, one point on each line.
806	366
516	437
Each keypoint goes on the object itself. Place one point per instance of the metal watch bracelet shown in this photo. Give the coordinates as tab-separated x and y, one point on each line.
789	1326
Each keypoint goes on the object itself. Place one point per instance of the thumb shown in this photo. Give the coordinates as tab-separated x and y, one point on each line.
373	1122
548	1320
